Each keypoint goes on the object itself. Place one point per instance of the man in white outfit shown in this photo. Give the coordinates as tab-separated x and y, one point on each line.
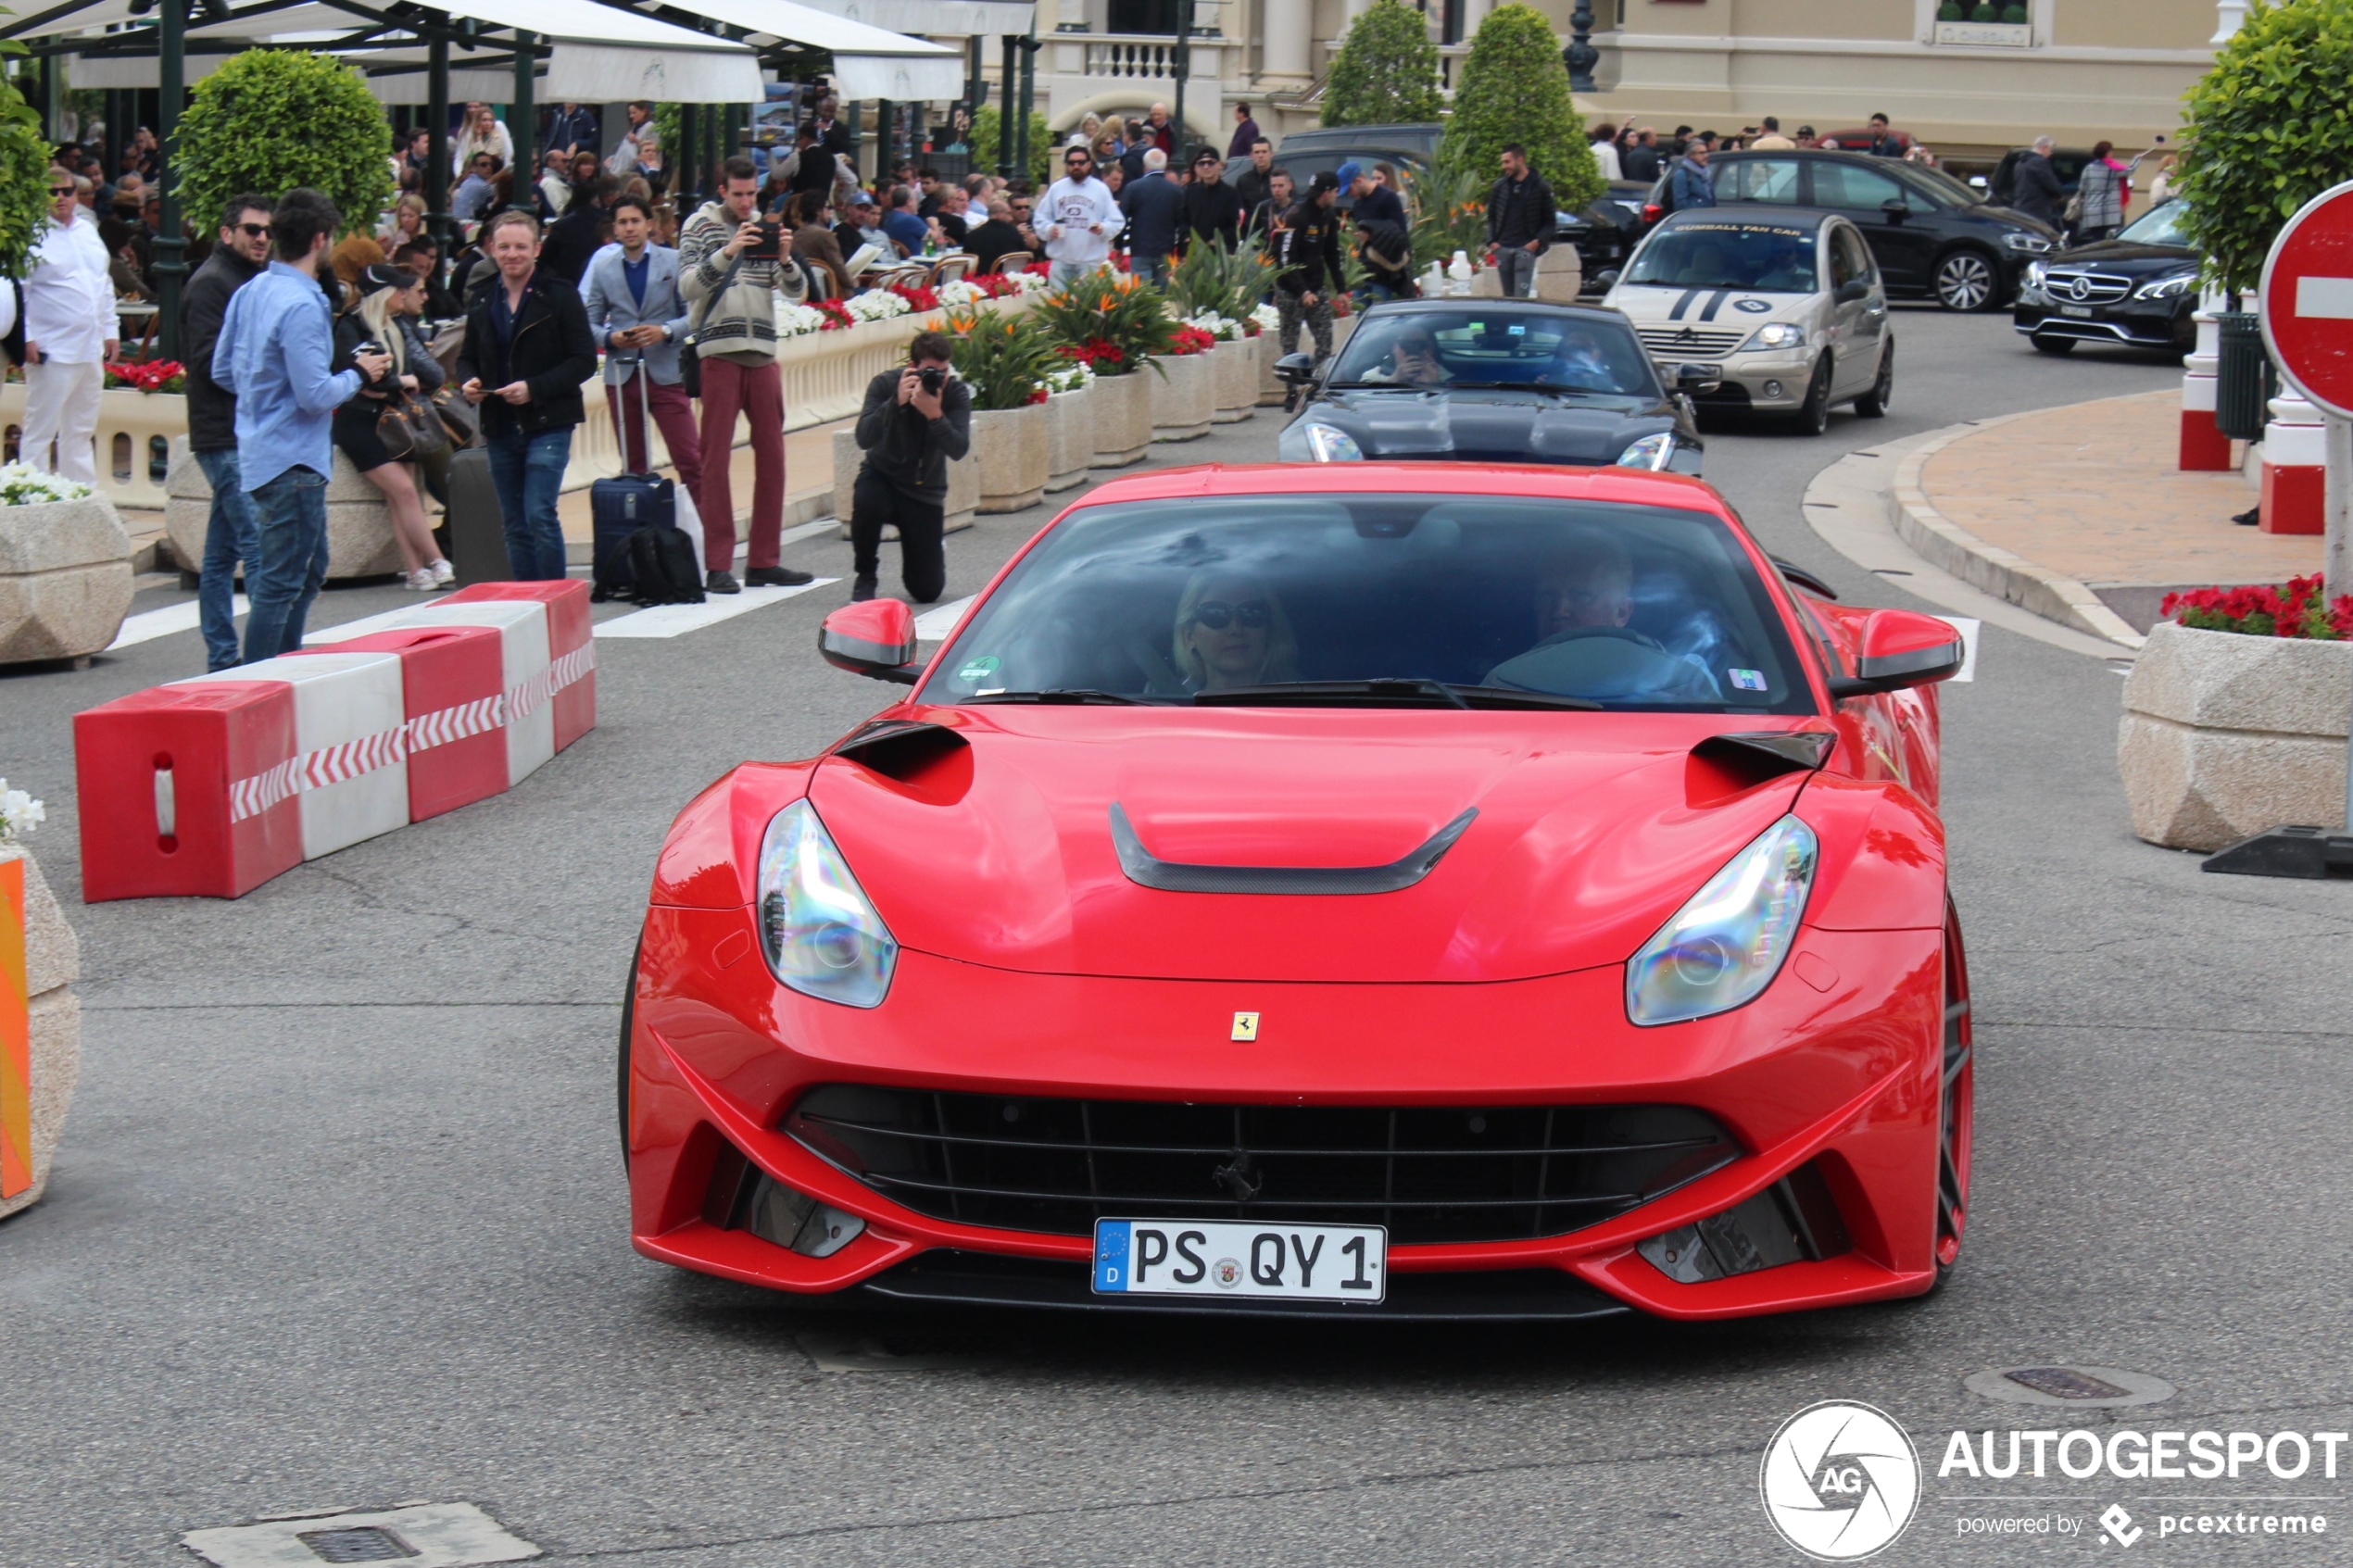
1079	218
68	334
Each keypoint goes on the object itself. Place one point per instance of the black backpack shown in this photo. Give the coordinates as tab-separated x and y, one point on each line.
663	567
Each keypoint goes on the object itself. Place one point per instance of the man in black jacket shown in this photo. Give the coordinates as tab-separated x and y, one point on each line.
2037	190
1521	222
1155	210
917	420
230	534
1307	267
1251	184
528	350
1213	208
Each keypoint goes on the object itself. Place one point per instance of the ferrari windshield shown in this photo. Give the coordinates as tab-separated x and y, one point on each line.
1727	254
1498	345
1464	601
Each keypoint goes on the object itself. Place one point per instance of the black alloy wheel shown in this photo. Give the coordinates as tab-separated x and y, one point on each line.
1812	416
1874	404
1957	1103
2054	345
1965	281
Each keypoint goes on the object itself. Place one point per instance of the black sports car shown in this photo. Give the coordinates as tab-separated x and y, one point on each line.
2139	288
1491	380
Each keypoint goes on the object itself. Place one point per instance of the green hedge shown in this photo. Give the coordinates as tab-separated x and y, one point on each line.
271	119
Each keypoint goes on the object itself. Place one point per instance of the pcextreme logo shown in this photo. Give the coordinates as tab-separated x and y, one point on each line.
1840	1481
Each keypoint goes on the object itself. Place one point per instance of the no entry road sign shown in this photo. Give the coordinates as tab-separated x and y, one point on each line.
2308	300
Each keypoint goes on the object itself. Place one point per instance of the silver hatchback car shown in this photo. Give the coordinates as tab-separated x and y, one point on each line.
1781	309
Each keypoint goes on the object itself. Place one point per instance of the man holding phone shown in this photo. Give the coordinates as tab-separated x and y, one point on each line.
732	268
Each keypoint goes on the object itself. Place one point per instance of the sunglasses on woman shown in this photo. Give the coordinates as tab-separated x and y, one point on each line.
1217	615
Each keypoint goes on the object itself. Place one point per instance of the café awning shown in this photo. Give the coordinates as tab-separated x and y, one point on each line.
868	61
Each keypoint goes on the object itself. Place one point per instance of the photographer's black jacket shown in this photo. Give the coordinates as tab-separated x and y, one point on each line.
907	451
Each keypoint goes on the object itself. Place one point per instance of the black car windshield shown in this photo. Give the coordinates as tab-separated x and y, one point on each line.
1499	345
1944	186
1468	601
2161	226
1725	253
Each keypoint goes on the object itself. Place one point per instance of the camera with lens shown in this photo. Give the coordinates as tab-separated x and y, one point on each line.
934	376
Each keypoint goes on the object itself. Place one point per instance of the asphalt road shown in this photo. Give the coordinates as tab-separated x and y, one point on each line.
339	1220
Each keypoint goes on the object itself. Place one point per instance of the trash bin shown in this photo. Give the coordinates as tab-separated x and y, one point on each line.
2242	376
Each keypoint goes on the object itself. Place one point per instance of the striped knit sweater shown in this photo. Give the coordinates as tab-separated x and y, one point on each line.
739	325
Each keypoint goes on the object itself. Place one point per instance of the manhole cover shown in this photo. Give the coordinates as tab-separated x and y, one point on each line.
368	1543
2094	1386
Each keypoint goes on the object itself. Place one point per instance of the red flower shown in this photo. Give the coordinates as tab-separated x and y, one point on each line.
2298	609
1039	394
918	298
1192	340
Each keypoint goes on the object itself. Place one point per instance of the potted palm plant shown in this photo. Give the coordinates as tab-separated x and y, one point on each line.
1070	429
1003	362
1214	289
1118	328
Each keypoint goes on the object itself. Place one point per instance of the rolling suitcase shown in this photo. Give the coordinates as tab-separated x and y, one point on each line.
477	528
621	505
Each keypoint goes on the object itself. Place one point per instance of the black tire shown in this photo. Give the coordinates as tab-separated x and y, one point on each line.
1813	416
628	1016
1967	279
1874	404
2054	345
1956	1105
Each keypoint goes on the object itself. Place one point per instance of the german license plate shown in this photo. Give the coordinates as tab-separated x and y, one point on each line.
1223	1257
2075	310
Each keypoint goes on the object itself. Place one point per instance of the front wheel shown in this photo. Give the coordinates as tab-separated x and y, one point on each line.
1873	404
2054	345
1964	282
1813	416
1957	1103
628	1016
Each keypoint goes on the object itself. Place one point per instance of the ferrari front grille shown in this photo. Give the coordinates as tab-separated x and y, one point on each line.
1669	341
1428	1173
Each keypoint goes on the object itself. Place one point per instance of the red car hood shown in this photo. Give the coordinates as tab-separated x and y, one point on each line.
1587	837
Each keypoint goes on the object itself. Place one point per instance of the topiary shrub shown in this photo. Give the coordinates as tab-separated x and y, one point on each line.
271	119
2269	128
1386	72
24	177
1044	167
1513	88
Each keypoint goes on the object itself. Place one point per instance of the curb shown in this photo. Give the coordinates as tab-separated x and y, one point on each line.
2000	572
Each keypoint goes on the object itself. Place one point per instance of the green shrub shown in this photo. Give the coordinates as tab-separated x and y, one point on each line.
1112	310
1003	360
1213	278
1513	88
271	119
2269	128
24	175
1041	172
1386	72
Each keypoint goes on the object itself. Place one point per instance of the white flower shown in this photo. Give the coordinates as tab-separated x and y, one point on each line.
960	294
24	485
1071	377
794	321
1225	329
20	813
877	305
1267	317
1030	283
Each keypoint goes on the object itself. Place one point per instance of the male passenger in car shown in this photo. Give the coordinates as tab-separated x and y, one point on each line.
1585	647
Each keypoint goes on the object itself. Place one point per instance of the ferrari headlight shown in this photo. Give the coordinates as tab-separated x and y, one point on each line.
1724	947
2166	288
1777	334
1330	444
1650	452
2033	245
822	938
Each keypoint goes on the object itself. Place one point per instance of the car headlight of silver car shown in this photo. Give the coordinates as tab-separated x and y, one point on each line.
1777	334
1330	444
1649	452
822	937
2166	288
1724	947
2033	245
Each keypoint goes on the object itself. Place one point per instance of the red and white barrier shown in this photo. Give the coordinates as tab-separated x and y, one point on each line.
2204	446
2295	468
212	785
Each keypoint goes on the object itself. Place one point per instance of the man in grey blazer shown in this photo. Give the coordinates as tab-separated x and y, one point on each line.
639	319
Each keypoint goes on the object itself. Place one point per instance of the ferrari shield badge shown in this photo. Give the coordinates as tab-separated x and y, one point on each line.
1245	1026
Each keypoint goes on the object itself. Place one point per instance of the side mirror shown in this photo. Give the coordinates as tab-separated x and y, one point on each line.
1899	648
1295	370
1852	290
1608	278
1697	378
1896	210
874	639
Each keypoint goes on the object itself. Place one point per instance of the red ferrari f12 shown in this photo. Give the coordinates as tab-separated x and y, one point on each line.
1366	890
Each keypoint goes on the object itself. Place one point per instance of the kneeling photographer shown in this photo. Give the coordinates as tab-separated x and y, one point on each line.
917	420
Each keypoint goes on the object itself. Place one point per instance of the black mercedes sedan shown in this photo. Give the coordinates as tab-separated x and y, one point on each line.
2138	288
1493	380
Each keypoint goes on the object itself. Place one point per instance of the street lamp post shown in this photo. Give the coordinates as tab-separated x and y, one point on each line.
437	221
1180	66
169	246
1006	70
1582	55
523	188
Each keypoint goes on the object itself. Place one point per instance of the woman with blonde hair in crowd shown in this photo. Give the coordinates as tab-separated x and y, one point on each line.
406	222
389	300
484	133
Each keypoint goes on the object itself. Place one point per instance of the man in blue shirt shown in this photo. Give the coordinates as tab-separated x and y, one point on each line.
902	224
475	191
276	342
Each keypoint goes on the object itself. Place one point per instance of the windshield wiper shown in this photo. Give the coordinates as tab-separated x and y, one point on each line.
1061	695
1412	693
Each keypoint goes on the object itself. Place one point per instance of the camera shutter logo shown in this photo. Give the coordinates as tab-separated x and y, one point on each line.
1840	1481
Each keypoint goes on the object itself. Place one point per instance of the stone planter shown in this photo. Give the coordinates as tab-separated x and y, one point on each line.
964	483
1070	437
360	541
1183	400
1122	412
1010	447
1487	284
1560	275
1236	370
2225	736
65	579
36	1087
